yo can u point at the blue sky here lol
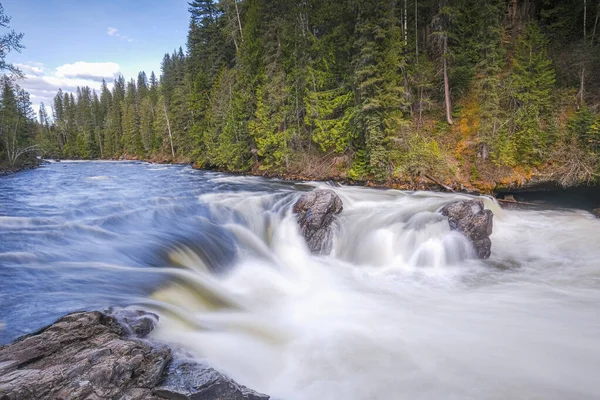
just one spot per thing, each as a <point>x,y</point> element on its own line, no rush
<point>79,42</point>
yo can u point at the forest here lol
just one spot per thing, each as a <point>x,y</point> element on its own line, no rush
<point>465,92</point>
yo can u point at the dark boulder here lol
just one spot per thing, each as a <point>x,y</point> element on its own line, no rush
<point>92,355</point>
<point>315,212</point>
<point>471,219</point>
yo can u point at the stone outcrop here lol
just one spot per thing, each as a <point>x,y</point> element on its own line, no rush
<point>194,381</point>
<point>92,355</point>
<point>315,212</point>
<point>471,219</point>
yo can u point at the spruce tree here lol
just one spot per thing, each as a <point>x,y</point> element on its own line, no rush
<point>532,83</point>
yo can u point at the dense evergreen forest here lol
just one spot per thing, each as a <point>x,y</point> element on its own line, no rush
<point>466,92</point>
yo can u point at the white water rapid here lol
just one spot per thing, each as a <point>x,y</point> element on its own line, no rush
<point>400,309</point>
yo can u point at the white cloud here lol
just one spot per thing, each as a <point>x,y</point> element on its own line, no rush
<point>90,71</point>
<point>110,31</point>
<point>43,84</point>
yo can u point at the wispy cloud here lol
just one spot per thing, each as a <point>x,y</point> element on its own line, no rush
<point>110,31</point>
<point>34,69</point>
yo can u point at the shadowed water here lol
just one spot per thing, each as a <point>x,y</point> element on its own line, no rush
<point>399,310</point>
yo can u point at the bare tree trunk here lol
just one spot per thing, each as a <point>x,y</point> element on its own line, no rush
<point>595,24</point>
<point>13,150</point>
<point>584,19</point>
<point>100,144</point>
<point>513,17</point>
<point>417,31</point>
<point>420,108</point>
<point>237,11</point>
<point>235,42</point>
<point>408,94</point>
<point>233,23</point>
<point>169,128</point>
<point>405,23</point>
<point>447,83</point>
<point>582,87</point>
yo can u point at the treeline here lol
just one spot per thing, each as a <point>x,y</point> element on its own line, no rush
<point>129,120</point>
<point>459,90</point>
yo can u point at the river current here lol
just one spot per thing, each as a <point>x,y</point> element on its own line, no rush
<point>399,310</point>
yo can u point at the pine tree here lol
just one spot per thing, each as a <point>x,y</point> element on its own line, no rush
<point>378,82</point>
<point>532,84</point>
<point>330,100</point>
<point>131,139</point>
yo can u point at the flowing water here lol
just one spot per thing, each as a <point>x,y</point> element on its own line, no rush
<point>399,310</point>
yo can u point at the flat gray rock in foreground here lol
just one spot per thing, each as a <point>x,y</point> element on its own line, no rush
<point>91,355</point>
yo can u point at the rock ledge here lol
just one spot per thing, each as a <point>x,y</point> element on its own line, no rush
<point>93,355</point>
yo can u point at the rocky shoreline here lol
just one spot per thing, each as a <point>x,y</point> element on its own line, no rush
<point>4,171</point>
<point>107,355</point>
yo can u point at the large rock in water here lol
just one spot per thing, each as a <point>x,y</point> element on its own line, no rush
<point>471,219</point>
<point>316,211</point>
<point>91,355</point>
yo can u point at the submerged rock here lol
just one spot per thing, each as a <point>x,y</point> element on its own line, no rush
<point>91,355</point>
<point>471,219</point>
<point>316,211</point>
<point>193,381</point>
<point>137,322</point>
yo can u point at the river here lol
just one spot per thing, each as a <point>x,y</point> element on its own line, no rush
<point>399,310</point>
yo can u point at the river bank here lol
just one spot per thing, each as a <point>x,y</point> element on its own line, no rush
<point>493,183</point>
<point>540,188</point>
<point>9,170</point>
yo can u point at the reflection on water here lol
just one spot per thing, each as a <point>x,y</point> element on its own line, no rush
<point>400,309</point>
